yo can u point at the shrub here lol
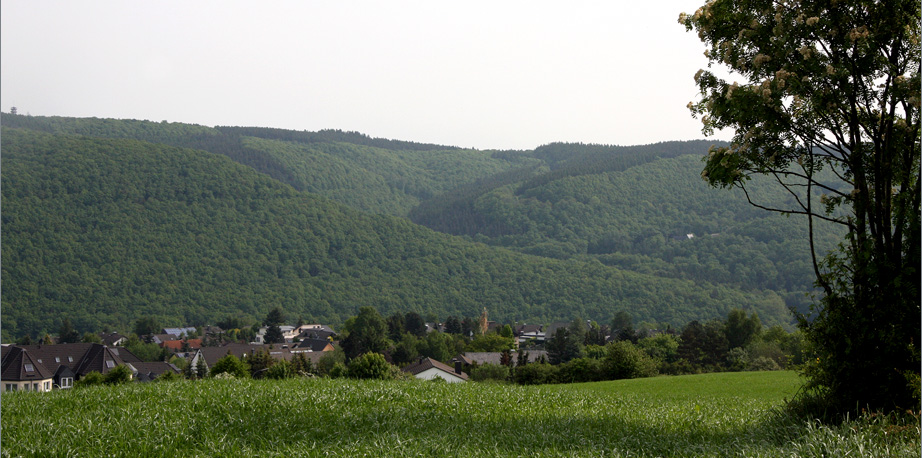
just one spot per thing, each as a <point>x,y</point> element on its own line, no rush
<point>168,376</point>
<point>370,366</point>
<point>624,360</point>
<point>329,359</point>
<point>280,370</point>
<point>737,359</point>
<point>488,371</point>
<point>118,375</point>
<point>338,370</point>
<point>536,374</point>
<point>90,379</point>
<point>768,349</point>
<point>232,365</point>
<point>580,370</point>
<point>764,364</point>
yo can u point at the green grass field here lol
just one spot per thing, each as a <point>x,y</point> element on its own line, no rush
<point>732,414</point>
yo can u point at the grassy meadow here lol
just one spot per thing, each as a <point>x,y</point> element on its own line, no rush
<point>729,414</point>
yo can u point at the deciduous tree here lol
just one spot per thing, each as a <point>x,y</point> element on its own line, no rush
<point>827,105</point>
<point>368,333</point>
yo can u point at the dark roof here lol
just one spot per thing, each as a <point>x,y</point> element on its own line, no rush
<point>494,357</point>
<point>150,370</point>
<point>213,354</point>
<point>81,358</point>
<point>552,328</point>
<point>212,330</point>
<point>527,328</point>
<point>425,364</point>
<point>102,359</point>
<point>485,357</point>
<point>530,355</point>
<point>313,344</point>
<point>111,338</point>
<point>323,334</point>
<point>19,365</point>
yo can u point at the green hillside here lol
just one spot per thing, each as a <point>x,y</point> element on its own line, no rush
<point>106,230</point>
<point>635,208</point>
<point>370,174</point>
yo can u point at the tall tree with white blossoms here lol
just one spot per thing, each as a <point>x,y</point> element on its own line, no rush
<point>831,86</point>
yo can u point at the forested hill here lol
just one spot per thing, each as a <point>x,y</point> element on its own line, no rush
<point>644,209</point>
<point>106,230</point>
<point>371,174</point>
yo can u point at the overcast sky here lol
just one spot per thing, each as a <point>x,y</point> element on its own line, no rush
<point>497,74</point>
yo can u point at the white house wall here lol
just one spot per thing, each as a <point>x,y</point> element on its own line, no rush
<point>432,373</point>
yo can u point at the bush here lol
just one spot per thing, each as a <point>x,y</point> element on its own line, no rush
<point>280,370</point>
<point>737,359</point>
<point>764,364</point>
<point>232,365</point>
<point>168,376</point>
<point>536,374</point>
<point>370,366</point>
<point>580,370</point>
<point>488,371</point>
<point>769,350</point>
<point>338,370</point>
<point>328,361</point>
<point>624,360</point>
<point>90,379</point>
<point>119,375</point>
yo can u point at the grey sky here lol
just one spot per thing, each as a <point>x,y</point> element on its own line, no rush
<point>478,74</point>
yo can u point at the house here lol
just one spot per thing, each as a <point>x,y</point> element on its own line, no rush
<point>288,332</point>
<point>314,327</point>
<point>179,332</point>
<point>552,328</point>
<point>176,346</point>
<point>161,338</point>
<point>428,369</point>
<point>314,345</point>
<point>20,371</point>
<point>67,363</point>
<point>525,332</point>
<point>212,330</point>
<point>494,357</point>
<point>316,331</point>
<point>305,331</point>
<point>113,339</point>
<point>211,355</point>
<point>148,371</point>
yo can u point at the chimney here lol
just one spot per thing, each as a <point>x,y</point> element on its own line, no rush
<point>458,367</point>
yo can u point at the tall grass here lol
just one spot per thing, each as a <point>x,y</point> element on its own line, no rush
<point>324,417</point>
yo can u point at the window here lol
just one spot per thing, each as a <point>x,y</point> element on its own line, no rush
<point>30,367</point>
<point>70,359</point>
<point>10,387</point>
<point>66,382</point>
<point>26,387</point>
<point>47,386</point>
<point>110,364</point>
<point>40,362</point>
<point>57,359</point>
<point>35,387</point>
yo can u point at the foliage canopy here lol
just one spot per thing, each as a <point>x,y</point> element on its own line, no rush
<point>831,86</point>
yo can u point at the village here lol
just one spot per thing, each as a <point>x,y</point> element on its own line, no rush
<point>46,367</point>
<point>401,346</point>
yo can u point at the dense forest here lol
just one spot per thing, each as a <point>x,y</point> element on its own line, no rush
<point>105,221</point>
